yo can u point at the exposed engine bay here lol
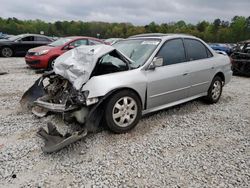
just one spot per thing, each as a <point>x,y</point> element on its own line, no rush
<point>59,96</point>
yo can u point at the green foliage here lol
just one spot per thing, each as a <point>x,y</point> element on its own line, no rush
<point>217,31</point>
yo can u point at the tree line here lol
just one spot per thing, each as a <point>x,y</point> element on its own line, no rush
<point>238,29</point>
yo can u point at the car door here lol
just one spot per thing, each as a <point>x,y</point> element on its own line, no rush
<point>24,44</point>
<point>170,82</point>
<point>75,44</point>
<point>40,41</point>
<point>200,66</point>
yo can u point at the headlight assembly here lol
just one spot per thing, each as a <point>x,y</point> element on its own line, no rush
<point>43,52</point>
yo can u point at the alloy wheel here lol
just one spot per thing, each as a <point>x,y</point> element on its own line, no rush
<point>7,52</point>
<point>124,111</point>
<point>216,90</point>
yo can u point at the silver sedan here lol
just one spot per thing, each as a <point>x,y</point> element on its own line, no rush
<point>135,76</point>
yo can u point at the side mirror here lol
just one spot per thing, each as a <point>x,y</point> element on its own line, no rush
<point>69,47</point>
<point>157,62</point>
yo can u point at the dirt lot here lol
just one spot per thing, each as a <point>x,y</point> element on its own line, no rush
<point>191,145</point>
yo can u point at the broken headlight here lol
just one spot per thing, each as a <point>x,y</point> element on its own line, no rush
<point>91,101</point>
<point>84,98</point>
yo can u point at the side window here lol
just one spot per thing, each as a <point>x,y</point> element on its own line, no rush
<point>79,43</point>
<point>196,50</point>
<point>29,38</point>
<point>42,39</point>
<point>94,42</point>
<point>172,52</point>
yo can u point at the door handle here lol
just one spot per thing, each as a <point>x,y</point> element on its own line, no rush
<point>212,67</point>
<point>185,74</point>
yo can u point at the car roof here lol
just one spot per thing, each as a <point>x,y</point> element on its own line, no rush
<point>30,34</point>
<point>245,41</point>
<point>81,37</point>
<point>161,35</point>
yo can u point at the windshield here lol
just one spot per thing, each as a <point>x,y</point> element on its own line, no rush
<point>60,42</point>
<point>13,38</point>
<point>137,50</point>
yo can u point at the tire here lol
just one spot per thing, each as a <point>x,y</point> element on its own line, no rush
<point>121,116</point>
<point>6,52</point>
<point>215,90</point>
<point>51,63</point>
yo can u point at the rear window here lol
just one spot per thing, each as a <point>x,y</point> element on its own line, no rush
<point>196,50</point>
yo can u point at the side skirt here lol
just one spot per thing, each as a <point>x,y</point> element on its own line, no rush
<point>147,111</point>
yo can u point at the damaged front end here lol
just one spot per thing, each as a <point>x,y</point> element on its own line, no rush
<point>53,93</point>
<point>60,91</point>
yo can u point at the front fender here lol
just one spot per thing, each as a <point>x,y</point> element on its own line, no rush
<point>99,86</point>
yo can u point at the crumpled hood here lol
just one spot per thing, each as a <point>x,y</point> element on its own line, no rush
<point>77,64</point>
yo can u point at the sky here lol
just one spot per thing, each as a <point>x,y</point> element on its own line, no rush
<point>137,12</point>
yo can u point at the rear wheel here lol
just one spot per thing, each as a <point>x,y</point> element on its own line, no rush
<point>123,111</point>
<point>6,52</point>
<point>215,90</point>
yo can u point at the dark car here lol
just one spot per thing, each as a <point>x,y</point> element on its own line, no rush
<point>241,59</point>
<point>44,56</point>
<point>20,44</point>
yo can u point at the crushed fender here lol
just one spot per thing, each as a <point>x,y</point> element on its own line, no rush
<point>33,93</point>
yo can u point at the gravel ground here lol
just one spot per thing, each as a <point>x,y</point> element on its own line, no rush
<point>191,145</point>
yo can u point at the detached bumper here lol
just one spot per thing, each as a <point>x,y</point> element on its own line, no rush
<point>54,107</point>
<point>55,141</point>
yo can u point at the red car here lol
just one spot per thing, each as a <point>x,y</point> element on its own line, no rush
<point>44,56</point>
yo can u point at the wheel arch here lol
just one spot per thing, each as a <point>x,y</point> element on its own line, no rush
<point>112,92</point>
<point>221,75</point>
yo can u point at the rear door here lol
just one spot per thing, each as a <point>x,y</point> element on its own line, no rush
<point>40,41</point>
<point>200,66</point>
<point>171,82</point>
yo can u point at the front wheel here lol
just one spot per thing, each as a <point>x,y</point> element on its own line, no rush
<point>215,90</point>
<point>123,111</point>
<point>51,63</point>
<point>6,52</point>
